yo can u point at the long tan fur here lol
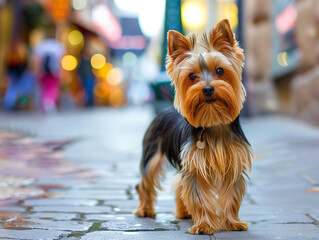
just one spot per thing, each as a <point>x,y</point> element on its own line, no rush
<point>212,181</point>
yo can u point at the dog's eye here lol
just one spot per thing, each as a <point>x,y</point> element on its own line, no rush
<point>219,71</point>
<point>192,76</point>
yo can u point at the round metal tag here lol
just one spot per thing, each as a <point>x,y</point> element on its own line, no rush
<point>200,145</point>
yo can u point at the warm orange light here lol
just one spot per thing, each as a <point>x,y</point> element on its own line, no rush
<point>114,76</point>
<point>75,37</point>
<point>101,90</point>
<point>69,62</point>
<point>282,59</point>
<point>194,14</point>
<point>228,10</point>
<point>102,72</point>
<point>117,98</point>
<point>59,9</point>
<point>98,61</point>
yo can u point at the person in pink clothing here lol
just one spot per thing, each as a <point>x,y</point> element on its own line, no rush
<point>49,53</point>
<point>49,84</point>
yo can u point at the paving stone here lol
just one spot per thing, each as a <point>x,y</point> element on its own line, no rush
<point>101,185</point>
<point>272,215</point>
<point>33,234</point>
<point>97,194</point>
<point>132,223</point>
<point>154,235</point>
<point>109,174</point>
<point>125,206</point>
<point>73,209</point>
<point>106,217</point>
<point>53,215</point>
<point>122,204</point>
<point>12,209</point>
<point>6,216</point>
<point>34,223</point>
<point>160,209</point>
<point>66,183</point>
<point>314,214</point>
<point>167,217</point>
<point>118,216</point>
<point>264,231</point>
<point>60,202</point>
<point>123,183</point>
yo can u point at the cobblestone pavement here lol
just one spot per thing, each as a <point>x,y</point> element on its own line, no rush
<point>282,200</point>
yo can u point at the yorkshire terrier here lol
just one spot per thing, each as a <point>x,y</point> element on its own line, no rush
<point>202,138</point>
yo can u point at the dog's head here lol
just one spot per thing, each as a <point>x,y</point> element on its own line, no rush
<point>206,72</point>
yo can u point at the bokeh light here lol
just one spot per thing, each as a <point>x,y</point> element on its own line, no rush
<point>114,76</point>
<point>98,61</point>
<point>117,98</point>
<point>102,72</point>
<point>228,10</point>
<point>36,36</point>
<point>282,59</point>
<point>75,37</point>
<point>194,14</point>
<point>79,4</point>
<point>129,59</point>
<point>101,90</point>
<point>69,62</point>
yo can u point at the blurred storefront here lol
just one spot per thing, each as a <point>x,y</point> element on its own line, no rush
<point>114,50</point>
<point>86,74</point>
<point>281,41</point>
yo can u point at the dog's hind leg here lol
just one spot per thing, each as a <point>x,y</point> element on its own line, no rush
<point>152,171</point>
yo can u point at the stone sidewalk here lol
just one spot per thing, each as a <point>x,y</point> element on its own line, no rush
<point>282,200</point>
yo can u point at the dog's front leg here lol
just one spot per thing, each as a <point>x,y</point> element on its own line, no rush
<point>231,207</point>
<point>181,210</point>
<point>201,203</point>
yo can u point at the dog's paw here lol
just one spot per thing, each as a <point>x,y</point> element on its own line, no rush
<point>237,226</point>
<point>202,229</point>
<point>145,213</point>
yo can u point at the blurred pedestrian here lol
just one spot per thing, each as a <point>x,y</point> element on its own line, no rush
<point>20,80</point>
<point>48,54</point>
<point>86,76</point>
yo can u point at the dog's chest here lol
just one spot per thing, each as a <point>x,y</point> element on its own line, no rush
<point>216,156</point>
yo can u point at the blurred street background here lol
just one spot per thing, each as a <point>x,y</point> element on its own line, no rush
<point>80,81</point>
<point>68,54</point>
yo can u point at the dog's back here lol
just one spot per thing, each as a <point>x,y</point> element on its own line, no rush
<point>166,135</point>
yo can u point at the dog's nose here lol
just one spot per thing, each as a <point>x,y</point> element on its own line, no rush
<point>208,91</point>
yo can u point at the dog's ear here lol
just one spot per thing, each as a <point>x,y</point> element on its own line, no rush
<point>222,33</point>
<point>222,39</point>
<point>177,44</point>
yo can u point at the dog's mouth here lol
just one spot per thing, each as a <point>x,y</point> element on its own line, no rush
<point>202,104</point>
<point>210,100</point>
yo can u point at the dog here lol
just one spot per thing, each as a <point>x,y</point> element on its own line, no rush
<point>201,136</point>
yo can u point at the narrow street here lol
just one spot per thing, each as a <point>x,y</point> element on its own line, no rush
<point>94,197</point>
